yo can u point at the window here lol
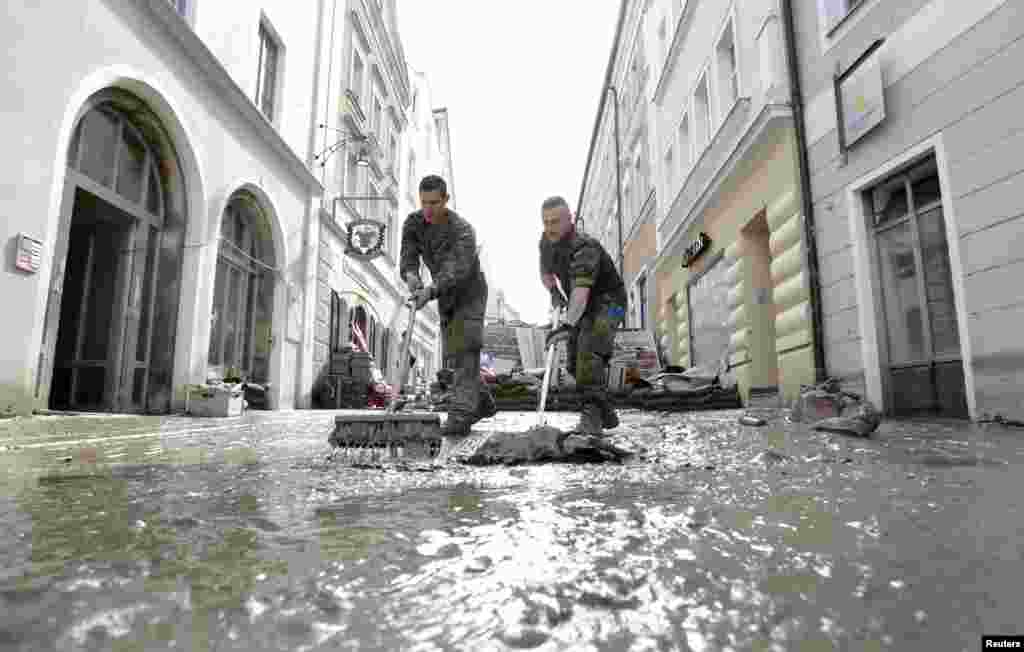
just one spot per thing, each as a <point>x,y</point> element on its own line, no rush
<point>702,115</point>
<point>394,150</point>
<point>411,180</point>
<point>663,38</point>
<point>833,12</point>
<point>709,314</point>
<point>728,74</point>
<point>376,124</point>
<point>356,82</point>
<point>240,321</point>
<point>337,333</point>
<point>641,290</point>
<point>684,144</point>
<point>668,168</point>
<point>266,78</point>
<point>352,176</point>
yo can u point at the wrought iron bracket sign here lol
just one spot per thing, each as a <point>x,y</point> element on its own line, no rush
<point>695,249</point>
<point>365,239</point>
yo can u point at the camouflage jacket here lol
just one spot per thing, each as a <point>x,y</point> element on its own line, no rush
<point>579,260</point>
<point>449,252</point>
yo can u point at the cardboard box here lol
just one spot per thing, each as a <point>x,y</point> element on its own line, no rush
<point>204,403</point>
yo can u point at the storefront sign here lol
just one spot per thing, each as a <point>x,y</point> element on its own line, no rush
<point>29,255</point>
<point>861,96</point>
<point>365,239</point>
<point>695,249</point>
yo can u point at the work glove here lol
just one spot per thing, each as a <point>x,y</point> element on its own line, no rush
<point>563,333</point>
<point>413,282</point>
<point>422,296</point>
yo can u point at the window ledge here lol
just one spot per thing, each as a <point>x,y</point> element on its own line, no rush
<point>193,47</point>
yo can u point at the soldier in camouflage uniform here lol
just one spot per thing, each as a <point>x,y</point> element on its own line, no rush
<point>447,245</point>
<point>596,308</point>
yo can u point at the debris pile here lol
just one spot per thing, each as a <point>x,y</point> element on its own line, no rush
<point>830,409</point>
<point>536,445</point>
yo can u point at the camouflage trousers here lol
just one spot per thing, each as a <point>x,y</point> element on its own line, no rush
<point>590,351</point>
<point>463,337</point>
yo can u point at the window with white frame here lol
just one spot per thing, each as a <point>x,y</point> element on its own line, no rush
<point>641,301</point>
<point>352,176</point>
<point>411,172</point>
<point>372,208</point>
<point>376,116</point>
<point>702,116</point>
<point>728,73</point>
<point>667,168</point>
<point>685,145</point>
<point>267,71</point>
<point>833,12</point>
<point>358,73</point>
<point>663,43</point>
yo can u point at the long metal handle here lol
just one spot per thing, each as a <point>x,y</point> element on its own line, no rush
<point>404,358</point>
<point>544,388</point>
<point>547,369</point>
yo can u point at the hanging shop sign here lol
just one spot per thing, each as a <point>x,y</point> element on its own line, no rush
<point>860,96</point>
<point>29,255</point>
<point>365,239</point>
<point>694,250</point>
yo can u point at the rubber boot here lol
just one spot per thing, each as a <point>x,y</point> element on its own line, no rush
<point>609,418</point>
<point>590,421</point>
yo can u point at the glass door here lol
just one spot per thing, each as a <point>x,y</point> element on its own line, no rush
<point>924,365</point>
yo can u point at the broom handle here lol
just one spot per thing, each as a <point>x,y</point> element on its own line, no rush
<point>547,370</point>
<point>404,357</point>
<point>544,388</point>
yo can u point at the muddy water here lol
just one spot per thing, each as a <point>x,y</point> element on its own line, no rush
<point>722,538</point>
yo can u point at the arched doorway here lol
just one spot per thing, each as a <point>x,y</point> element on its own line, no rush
<point>110,324</point>
<point>243,297</point>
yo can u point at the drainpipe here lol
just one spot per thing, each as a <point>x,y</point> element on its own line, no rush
<point>618,175</point>
<point>600,110</point>
<point>311,236</point>
<point>807,200</point>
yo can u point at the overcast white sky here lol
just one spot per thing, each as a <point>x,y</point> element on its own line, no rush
<point>521,81</point>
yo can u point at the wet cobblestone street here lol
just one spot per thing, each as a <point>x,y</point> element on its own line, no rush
<point>125,533</point>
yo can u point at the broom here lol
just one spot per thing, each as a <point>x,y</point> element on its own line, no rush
<point>374,437</point>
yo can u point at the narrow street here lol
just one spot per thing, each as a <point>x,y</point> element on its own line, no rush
<point>125,533</point>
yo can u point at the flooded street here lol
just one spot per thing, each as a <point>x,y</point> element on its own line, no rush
<point>241,535</point>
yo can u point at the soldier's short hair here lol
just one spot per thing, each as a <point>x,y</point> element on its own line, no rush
<point>432,182</point>
<point>554,202</point>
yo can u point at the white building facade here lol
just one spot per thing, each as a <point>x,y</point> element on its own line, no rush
<point>918,193</point>
<point>733,286</point>
<point>620,158</point>
<point>161,211</point>
<point>370,116</point>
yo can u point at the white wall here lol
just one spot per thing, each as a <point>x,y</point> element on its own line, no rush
<point>123,44</point>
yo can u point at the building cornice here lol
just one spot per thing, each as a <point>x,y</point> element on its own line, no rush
<point>196,50</point>
<point>769,116</point>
